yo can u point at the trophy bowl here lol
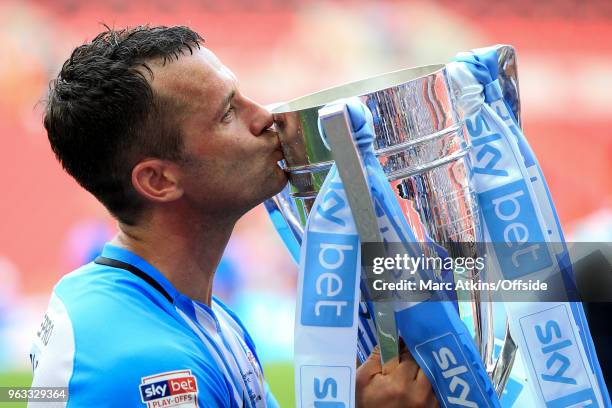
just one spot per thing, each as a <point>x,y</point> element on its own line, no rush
<point>419,142</point>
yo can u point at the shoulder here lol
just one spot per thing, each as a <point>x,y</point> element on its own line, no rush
<point>115,343</point>
<point>109,310</point>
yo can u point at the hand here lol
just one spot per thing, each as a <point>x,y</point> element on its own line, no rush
<point>399,383</point>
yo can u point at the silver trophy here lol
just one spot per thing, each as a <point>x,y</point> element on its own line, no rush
<point>421,145</point>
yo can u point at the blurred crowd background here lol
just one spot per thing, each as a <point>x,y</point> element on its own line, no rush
<point>281,49</point>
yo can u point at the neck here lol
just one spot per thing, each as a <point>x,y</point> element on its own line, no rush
<point>185,250</point>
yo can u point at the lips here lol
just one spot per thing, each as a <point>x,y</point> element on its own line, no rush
<point>278,153</point>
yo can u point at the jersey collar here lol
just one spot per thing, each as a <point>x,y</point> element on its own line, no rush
<point>127,256</point>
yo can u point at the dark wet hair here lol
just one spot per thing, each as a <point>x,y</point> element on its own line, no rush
<point>102,115</point>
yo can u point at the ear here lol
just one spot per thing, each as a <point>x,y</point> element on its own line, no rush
<point>157,180</point>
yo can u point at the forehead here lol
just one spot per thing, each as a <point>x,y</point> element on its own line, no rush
<point>193,80</point>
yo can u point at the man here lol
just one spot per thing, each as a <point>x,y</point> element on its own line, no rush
<point>155,127</point>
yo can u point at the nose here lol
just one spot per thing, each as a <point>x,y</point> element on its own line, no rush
<point>262,118</point>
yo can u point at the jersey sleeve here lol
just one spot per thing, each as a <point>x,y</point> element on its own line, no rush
<point>52,352</point>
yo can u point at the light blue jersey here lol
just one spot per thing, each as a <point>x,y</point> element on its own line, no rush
<point>118,334</point>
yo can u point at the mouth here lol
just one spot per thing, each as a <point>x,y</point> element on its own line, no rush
<point>278,152</point>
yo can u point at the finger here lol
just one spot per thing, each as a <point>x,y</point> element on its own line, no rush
<point>390,365</point>
<point>405,357</point>
<point>421,379</point>
<point>407,371</point>
<point>422,382</point>
<point>432,401</point>
<point>424,391</point>
<point>407,368</point>
<point>372,365</point>
<point>404,353</point>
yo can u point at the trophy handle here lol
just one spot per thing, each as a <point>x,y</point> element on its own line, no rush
<point>336,123</point>
<point>508,81</point>
<point>504,363</point>
<point>501,368</point>
<point>508,78</point>
<point>282,204</point>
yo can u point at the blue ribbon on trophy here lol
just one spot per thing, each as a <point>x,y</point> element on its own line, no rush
<point>553,337</point>
<point>327,302</point>
<point>399,160</point>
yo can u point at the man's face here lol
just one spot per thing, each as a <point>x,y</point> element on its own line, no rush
<point>230,153</point>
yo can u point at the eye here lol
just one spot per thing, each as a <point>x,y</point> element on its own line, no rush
<point>228,114</point>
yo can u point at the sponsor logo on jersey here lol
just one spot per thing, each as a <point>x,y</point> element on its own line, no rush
<point>169,389</point>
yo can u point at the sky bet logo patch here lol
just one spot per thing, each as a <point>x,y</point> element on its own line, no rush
<point>171,389</point>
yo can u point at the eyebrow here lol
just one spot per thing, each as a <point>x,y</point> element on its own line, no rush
<point>226,102</point>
